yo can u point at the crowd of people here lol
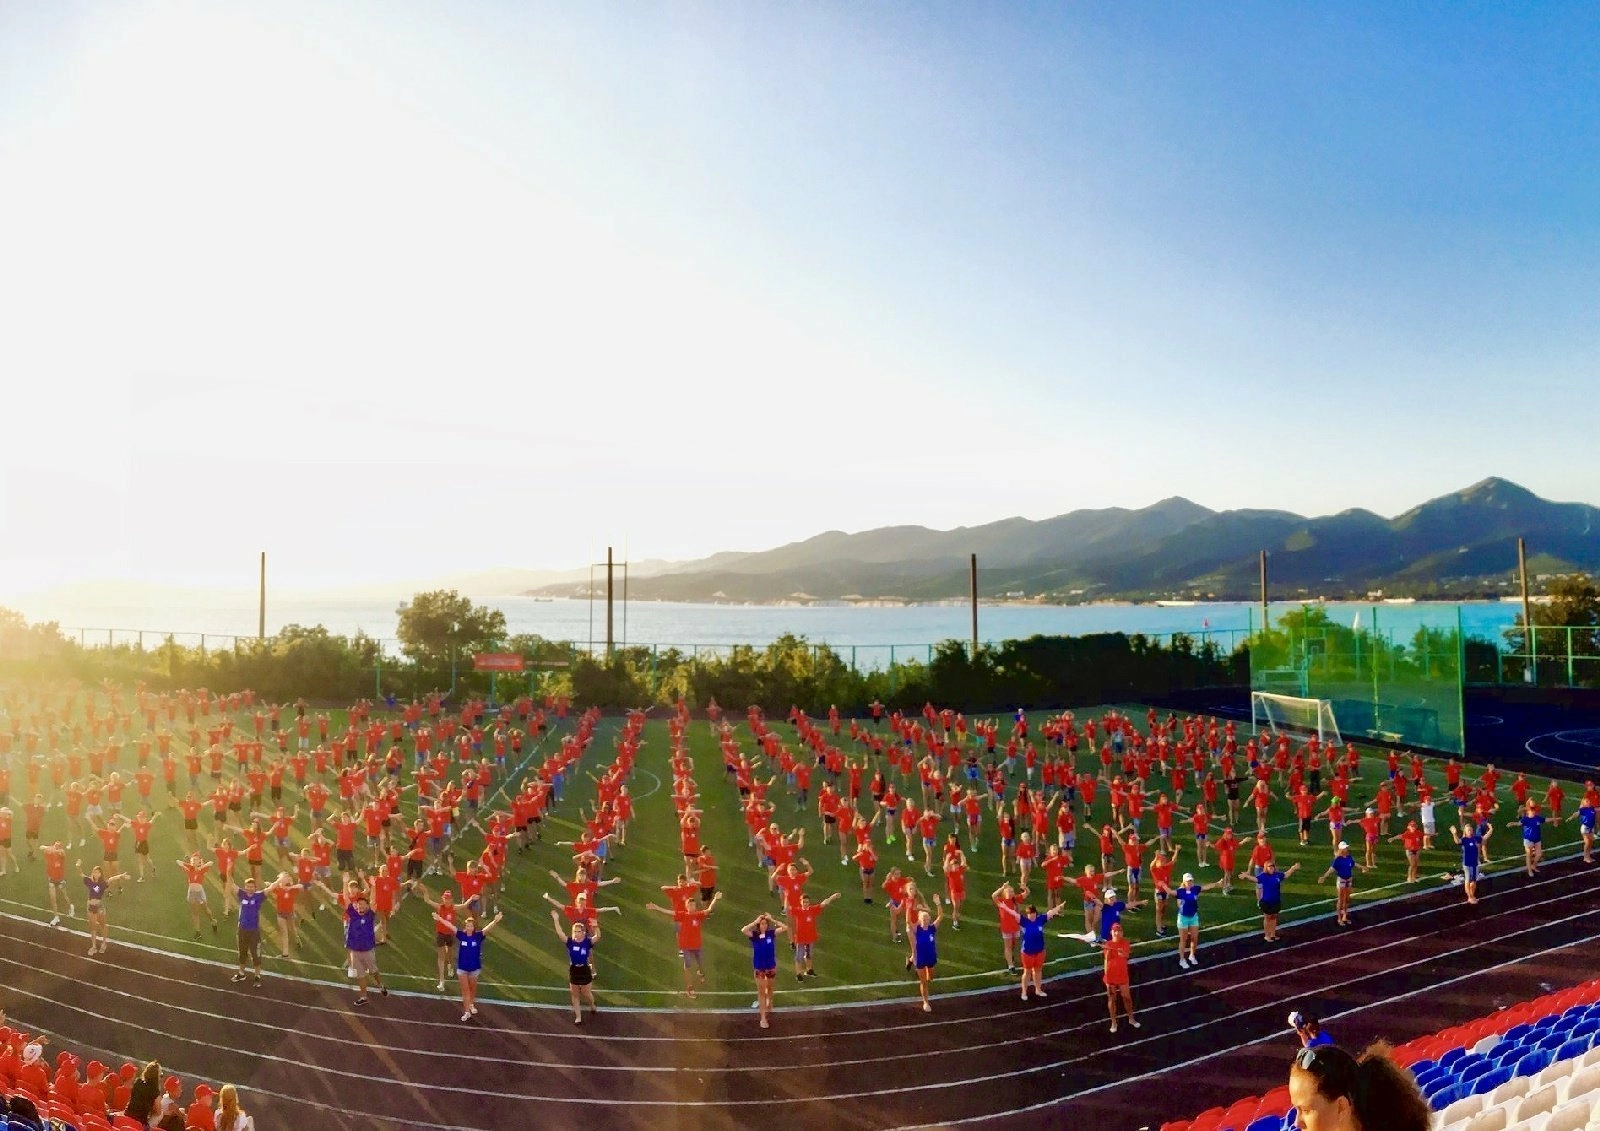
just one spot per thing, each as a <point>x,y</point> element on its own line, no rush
<point>283,811</point>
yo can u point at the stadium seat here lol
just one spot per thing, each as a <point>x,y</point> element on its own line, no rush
<point>1557,1069</point>
<point>1275,1102</point>
<point>1542,1100</point>
<point>1208,1120</point>
<point>1582,1082</point>
<point>1572,1049</point>
<point>1533,1063</point>
<point>1485,1043</point>
<point>1491,1079</point>
<point>1572,1116</point>
<point>1492,1120</point>
<point>1265,1123</point>
<point>1469,1072</point>
<point>1443,1093</point>
<point>1176,1125</point>
<point>1461,1109</point>
<point>1239,1114</point>
<point>124,1123</point>
<point>1512,1089</point>
<point>1452,1056</point>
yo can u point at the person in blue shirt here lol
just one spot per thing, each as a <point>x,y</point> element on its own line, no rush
<point>1269,895</point>
<point>763,932</point>
<point>250,901</point>
<point>1032,926</point>
<point>1471,843</point>
<point>1111,910</point>
<point>469,956</point>
<point>927,950</point>
<point>1309,1029</point>
<point>1188,896</point>
<point>1586,821</point>
<point>1532,836</point>
<point>361,944</point>
<point>1344,867</point>
<point>580,968</point>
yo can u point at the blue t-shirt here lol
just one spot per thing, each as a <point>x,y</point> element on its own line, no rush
<point>1188,901</point>
<point>469,952</point>
<point>1469,849</point>
<point>1532,827</point>
<point>764,949</point>
<point>927,951</point>
<point>1110,916</point>
<point>1586,816</point>
<point>360,930</point>
<point>1322,1038</point>
<point>1033,934</point>
<point>1344,867</point>
<point>250,909</point>
<point>1269,886</point>
<point>577,952</point>
<point>97,888</point>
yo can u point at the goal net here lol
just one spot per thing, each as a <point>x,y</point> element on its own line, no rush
<point>1294,713</point>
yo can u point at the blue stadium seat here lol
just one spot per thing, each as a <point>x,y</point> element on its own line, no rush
<point>1516,1033</point>
<point>1577,1046</point>
<point>1586,1028</point>
<point>1509,1052</point>
<point>1535,1061</point>
<point>1454,1055</point>
<point>1475,1068</point>
<point>1444,1096</point>
<point>1488,1082</point>
<point>1437,1085</point>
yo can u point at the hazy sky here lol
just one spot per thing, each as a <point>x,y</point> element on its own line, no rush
<point>394,290</point>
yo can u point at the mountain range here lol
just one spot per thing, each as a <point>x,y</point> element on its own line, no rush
<point>1458,545</point>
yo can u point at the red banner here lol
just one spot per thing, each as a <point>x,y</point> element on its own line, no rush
<point>498,662</point>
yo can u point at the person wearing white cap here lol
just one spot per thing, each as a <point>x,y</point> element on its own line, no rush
<point>1188,896</point>
<point>1344,867</point>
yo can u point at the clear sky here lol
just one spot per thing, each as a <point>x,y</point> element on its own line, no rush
<point>397,290</point>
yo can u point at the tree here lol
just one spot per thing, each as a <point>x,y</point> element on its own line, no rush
<point>440,624</point>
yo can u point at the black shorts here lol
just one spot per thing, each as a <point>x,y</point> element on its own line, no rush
<point>249,946</point>
<point>443,941</point>
<point>579,975</point>
<point>347,859</point>
<point>142,848</point>
<point>413,869</point>
<point>191,825</point>
<point>706,894</point>
<point>1270,906</point>
<point>1305,825</point>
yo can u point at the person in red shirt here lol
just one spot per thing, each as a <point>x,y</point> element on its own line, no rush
<point>1008,903</point>
<point>1370,827</point>
<point>955,880</point>
<point>1411,840</point>
<point>895,892</point>
<point>803,917</point>
<point>285,893</point>
<point>194,870</point>
<point>55,874</point>
<point>1116,951</point>
<point>690,920</point>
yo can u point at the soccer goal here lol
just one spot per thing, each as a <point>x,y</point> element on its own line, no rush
<point>1294,713</point>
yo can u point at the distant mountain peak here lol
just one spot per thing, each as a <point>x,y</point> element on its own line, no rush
<point>1495,490</point>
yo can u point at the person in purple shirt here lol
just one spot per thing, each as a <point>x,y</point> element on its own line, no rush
<point>250,901</point>
<point>361,943</point>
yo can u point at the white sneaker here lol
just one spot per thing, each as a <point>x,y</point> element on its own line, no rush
<point>440,986</point>
<point>1195,962</point>
<point>1183,963</point>
<point>466,1016</point>
<point>55,921</point>
<point>72,910</point>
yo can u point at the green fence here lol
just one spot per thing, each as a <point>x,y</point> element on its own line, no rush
<point>1403,686</point>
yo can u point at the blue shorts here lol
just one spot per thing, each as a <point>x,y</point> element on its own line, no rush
<point>1185,922</point>
<point>1133,875</point>
<point>1471,871</point>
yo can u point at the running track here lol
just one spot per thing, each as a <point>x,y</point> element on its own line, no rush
<point>305,1054</point>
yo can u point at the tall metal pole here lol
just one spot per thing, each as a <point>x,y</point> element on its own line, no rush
<point>1263,591</point>
<point>1527,612</point>
<point>611,590</point>
<point>261,620</point>
<point>973,579</point>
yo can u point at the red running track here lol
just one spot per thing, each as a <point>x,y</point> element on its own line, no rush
<point>305,1054</point>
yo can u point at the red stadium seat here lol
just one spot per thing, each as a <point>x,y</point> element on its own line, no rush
<point>1239,1115</point>
<point>1207,1120</point>
<point>1176,1125</point>
<point>1275,1102</point>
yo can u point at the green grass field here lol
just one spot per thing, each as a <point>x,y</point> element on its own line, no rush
<point>636,958</point>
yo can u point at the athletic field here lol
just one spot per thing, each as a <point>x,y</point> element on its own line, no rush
<point>636,959</point>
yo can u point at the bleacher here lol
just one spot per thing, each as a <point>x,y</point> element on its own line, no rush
<point>1533,1067</point>
<point>86,1097</point>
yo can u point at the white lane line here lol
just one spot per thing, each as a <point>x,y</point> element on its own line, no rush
<point>963,1049</point>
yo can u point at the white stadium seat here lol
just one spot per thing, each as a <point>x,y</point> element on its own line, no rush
<point>1570,1117</point>
<point>1491,1119</point>
<point>1459,1111</point>
<point>1512,1089</point>
<point>1581,1083</point>
<point>1536,1102</point>
<point>1558,1071</point>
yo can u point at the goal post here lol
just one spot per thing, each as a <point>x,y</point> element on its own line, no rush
<point>1294,713</point>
